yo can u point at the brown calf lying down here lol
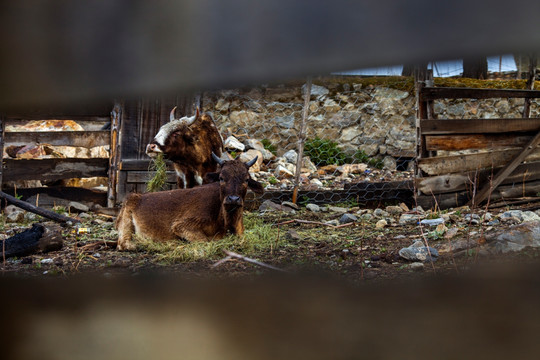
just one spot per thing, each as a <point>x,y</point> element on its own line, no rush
<point>202,213</point>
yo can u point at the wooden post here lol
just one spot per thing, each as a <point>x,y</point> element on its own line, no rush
<point>420,77</point>
<point>116,116</point>
<point>302,139</point>
<point>530,84</point>
<point>2,127</point>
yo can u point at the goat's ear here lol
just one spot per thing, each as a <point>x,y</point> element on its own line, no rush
<point>255,186</point>
<point>211,177</point>
<point>197,112</point>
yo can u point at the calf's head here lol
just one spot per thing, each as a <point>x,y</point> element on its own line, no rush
<point>234,180</point>
<point>175,138</point>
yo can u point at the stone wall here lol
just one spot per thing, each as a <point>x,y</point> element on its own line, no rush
<point>378,119</point>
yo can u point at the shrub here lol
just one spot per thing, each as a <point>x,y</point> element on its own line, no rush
<point>361,157</point>
<point>268,146</point>
<point>324,152</point>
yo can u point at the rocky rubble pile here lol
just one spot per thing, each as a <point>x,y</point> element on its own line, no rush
<point>278,172</point>
<point>456,232</point>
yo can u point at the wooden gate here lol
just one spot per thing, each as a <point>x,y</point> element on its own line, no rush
<point>505,152</point>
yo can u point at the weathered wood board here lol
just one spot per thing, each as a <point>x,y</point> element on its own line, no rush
<point>434,93</point>
<point>86,139</point>
<point>471,162</point>
<point>478,126</point>
<point>447,183</point>
<point>54,169</point>
<point>476,141</point>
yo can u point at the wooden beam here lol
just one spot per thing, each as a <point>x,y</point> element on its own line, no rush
<point>139,164</point>
<point>86,139</point>
<point>435,93</point>
<point>505,171</point>
<point>114,153</point>
<point>145,176</point>
<point>458,182</point>
<point>54,169</point>
<point>530,84</point>
<point>478,126</point>
<point>475,141</point>
<point>36,210</point>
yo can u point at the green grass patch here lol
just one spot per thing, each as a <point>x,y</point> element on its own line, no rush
<point>258,238</point>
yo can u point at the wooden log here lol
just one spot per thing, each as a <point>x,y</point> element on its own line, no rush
<point>86,139</point>
<point>435,93</point>
<point>54,169</point>
<point>471,162</point>
<point>450,200</point>
<point>478,126</point>
<point>458,182</point>
<point>36,210</point>
<point>477,141</point>
<point>38,239</point>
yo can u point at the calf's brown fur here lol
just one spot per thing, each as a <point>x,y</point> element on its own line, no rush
<point>201,213</point>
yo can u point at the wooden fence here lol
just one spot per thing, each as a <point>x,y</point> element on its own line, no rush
<point>51,169</point>
<point>505,152</point>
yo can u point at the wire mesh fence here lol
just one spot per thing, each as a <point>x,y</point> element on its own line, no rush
<point>355,134</point>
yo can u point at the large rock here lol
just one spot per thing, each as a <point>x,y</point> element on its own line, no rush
<point>232,143</point>
<point>250,155</point>
<point>317,92</point>
<point>515,238</point>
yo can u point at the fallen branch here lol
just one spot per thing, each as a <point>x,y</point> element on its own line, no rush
<point>313,223</point>
<point>36,210</point>
<point>231,255</point>
<point>98,244</point>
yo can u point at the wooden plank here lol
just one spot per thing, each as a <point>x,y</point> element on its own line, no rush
<point>54,169</point>
<point>87,139</point>
<point>476,141</point>
<point>458,182</point>
<point>505,171</point>
<point>434,93</point>
<point>139,164</point>
<point>63,192</point>
<point>478,126</point>
<point>471,162</point>
<point>145,176</point>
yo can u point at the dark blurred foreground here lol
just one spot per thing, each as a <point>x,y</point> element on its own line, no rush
<point>493,314</point>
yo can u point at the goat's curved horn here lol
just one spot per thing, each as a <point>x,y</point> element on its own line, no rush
<point>171,116</point>
<point>217,159</point>
<point>252,161</point>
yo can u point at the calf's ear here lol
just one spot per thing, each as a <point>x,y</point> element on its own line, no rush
<point>211,177</point>
<point>255,186</point>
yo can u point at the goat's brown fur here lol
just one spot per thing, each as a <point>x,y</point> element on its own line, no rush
<point>189,146</point>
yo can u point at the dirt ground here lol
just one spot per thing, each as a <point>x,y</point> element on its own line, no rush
<point>303,244</point>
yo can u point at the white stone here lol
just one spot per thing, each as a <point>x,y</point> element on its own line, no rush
<point>232,143</point>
